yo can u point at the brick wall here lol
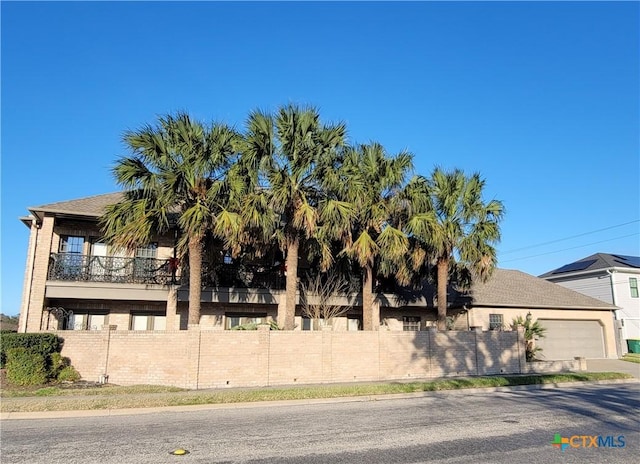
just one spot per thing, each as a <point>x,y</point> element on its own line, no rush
<point>206,358</point>
<point>32,311</point>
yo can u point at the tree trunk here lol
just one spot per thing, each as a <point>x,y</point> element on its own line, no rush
<point>195,279</point>
<point>367,300</point>
<point>443,280</point>
<point>287,320</point>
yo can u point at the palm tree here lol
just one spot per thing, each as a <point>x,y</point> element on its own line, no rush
<point>532,331</point>
<point>285,153</point>
<point>178,176</point>
<point>458,229</point>
<point>371,182</point>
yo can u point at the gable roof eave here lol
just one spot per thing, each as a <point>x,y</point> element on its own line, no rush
<point>534,306</point>
<point>85,208</point>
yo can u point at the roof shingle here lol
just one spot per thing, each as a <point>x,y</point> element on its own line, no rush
<point>515,288</point>
<point>89,206</point>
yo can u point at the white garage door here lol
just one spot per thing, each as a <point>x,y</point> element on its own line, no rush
<point>566,339</point>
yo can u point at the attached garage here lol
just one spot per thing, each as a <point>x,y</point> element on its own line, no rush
<point>566,339</point>
<point>577,325</point>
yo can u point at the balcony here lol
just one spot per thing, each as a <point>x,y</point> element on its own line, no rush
<point>108,269</point>
<point>242,276</point>
<point>120,270</point>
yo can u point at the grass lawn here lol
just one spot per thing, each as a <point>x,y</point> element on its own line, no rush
<point>56,398</point>
<point>632,357</point>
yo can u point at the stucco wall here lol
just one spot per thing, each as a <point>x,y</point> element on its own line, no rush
<point>480,317</point>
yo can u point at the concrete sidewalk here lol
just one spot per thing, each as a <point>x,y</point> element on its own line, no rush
<point>613,365</point>
<point>59,414</point>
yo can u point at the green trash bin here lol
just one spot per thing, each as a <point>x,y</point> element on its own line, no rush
<point>634,345</point>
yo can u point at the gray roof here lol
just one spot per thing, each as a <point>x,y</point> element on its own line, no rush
<point>506,289</point>
<point>598,261</point>
<point>511,288</point>
<point>89,206</point>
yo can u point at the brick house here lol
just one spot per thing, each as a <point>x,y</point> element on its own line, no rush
<point>74,281</point>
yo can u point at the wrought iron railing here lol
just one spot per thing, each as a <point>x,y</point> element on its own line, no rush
<point>76,267</point>
<point>243,276</point>
<point>112,269</point>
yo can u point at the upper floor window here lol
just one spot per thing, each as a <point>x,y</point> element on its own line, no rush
<point>149,251</point>
<point>70,263</point>
<point>71,244</point>
<point>633,287</point>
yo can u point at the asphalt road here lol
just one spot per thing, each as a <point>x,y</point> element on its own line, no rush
<point>452,427</point>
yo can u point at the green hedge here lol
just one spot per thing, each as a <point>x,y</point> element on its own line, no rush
<point>68,374</point>
<point>26,367</point>
<point>45,344</point>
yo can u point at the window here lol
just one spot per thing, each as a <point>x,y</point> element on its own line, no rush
<point>313,324</point>
<point>146,321</point>
<point>233,320</point>
<point>354,323</point>
<point>107,264</point>
<point>633,287</point>
<point>411,323</point>
<point>145,263</point>
<point>71,244</point>
<point>495,321</point>
<point>149,251</point>
<point>70,261</point>
<point>87,321</point>
<point>98,259</point>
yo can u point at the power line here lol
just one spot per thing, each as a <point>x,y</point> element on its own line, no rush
<point>571,248</point>
<point>569,238</point>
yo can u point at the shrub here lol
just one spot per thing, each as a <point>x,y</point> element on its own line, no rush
<point>68,374</point>
<point>273,325</point>
<point>25,367</point>
<point>247,326</point>
<point>57,363</point>
<point>532,331</point>
<point>45,344</point>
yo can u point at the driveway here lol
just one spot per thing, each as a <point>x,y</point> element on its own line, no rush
<point>613,365</point>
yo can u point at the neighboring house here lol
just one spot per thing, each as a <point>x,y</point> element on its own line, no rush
<point>611,278</point>
<point>74,281</point>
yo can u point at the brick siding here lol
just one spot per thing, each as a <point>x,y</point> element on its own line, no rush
<point>198,358</point>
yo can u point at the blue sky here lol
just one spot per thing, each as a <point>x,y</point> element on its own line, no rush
<point>541,97</point>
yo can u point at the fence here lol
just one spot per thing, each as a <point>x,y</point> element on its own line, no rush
<point>198,359</point>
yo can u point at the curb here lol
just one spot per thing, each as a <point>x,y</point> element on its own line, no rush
<point>62,414</point>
